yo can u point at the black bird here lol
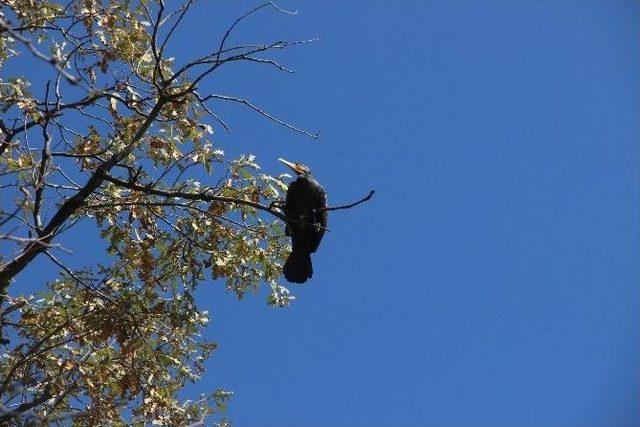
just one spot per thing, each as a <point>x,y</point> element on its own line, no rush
<point>306,216</point>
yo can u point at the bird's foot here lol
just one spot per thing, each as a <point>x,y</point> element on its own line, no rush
<point>279,204</point>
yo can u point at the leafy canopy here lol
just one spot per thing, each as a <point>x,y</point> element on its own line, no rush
<point>103,127</point>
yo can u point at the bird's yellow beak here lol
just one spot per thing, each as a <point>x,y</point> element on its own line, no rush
<point>294,166</point>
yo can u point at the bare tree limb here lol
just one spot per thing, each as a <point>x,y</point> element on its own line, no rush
<point>351,205</point>
<point>262,112</point>
<point>183,10</point>
<point>44,163</point>
<point>12,214</point>
<point>241,18</point>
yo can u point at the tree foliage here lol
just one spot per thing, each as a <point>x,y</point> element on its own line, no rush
<point>114,134</point>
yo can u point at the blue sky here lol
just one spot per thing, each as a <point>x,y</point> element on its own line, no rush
<point>493,280</point>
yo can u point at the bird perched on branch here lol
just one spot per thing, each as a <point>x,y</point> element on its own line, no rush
<point>305,210</point>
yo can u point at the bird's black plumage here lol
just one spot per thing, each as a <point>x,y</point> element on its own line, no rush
<point>306,217</point>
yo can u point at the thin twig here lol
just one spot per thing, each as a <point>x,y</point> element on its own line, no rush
<point>262,112</point>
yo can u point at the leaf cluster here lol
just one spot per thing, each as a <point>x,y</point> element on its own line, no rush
<point>118,135</point>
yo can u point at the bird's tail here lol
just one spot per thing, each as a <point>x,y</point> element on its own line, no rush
<point>297,268</point>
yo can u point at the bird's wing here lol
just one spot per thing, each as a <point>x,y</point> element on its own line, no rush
<point>321,214</point>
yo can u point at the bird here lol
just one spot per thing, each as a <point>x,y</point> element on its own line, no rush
<point>306,217</point>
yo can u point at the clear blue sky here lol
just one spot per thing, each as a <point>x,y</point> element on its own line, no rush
<point>493,281</point>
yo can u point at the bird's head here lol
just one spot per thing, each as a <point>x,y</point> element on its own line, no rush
<point>298,168</point>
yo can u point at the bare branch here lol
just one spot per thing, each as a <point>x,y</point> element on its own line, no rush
<point>211,113</point>
<point>154,43</point>
<point>262,112</point>
<point>183,10</point>
<point>351,205</point>
<point>241,18</point>
<point>44,163</point>
<point>269,61</point>
<point>12,214</point>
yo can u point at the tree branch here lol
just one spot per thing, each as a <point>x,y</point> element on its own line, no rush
<point>351,205</point>
<point>192,196</point>
<point>50,59</point>
<point>71,205</point>
<point>237,21</point>
<point>262,112</point>
<point>24,407</point>
<point>42,170</point>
